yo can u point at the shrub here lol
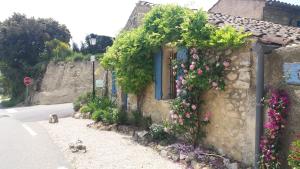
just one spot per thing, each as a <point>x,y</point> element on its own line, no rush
<point>294,154</point>
<point>123,118</point>
<point>85,109</point>
<point>140,121</point>
<point>157,132</point>
<point>110,116</point>
<point>76,106</point>
<point>96,116</point>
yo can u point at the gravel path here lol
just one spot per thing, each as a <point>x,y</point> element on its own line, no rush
<point>105,149</point>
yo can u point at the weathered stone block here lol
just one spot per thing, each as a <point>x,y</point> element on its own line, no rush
<point>232,76</point>
<point>241,85</point>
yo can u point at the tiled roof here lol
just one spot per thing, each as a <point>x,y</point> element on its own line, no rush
<point>268,32</point>
<point>279,4</point>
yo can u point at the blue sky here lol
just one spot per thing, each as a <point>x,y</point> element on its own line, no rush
<point>104,17</point>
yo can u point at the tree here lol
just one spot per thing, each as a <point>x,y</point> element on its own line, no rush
<point>102,42</point>
<point>75,47</point>
<point>22,40</point>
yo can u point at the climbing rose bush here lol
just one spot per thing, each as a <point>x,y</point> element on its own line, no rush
<point>195,77</point>
<point>269,144</point>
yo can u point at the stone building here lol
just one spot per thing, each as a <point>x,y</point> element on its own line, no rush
<point>253,69</point>
<point>267,10</point>
<point>232,128</point>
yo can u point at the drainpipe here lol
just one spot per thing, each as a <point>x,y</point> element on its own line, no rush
<point>258,49</point>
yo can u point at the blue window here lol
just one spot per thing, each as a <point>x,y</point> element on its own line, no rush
<point>113,84</point>
<point>158,58</point>
<point>182,56</point>
<point>298,23</point>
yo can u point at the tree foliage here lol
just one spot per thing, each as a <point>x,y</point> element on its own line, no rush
<point>22,40</point>
<point>102,42</point>
<point>131,54</point>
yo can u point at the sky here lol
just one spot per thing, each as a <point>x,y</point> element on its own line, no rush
<point>82,17</point>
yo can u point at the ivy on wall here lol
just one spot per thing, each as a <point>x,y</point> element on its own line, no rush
<point>131,57</point>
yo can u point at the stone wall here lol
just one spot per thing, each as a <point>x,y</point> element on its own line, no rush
<point>242,8</point>
<point>274,78</point>
<point>232,127</point>
<point>64,82</point>
<point>284,16</point>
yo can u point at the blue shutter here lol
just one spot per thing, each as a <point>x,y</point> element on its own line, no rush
<point>182,56</point>
<point>113,83</point>
<point>158,59</point>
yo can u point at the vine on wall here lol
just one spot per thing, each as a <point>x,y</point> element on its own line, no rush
<point>131,57</point>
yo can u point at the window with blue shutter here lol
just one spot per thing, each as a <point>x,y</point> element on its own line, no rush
<point>182,57</point>
<point>158,58</point>
<point>113,83</point>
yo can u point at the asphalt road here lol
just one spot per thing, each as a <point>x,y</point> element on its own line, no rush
<point>24,144</point>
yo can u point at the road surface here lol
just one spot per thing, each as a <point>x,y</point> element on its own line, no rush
<point>24,144</point>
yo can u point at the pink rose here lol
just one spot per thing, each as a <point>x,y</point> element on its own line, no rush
<point>226,64</point>
<point>207,68</point>
<point>180,120</point>
<point>195,56</point>
<point>207,116</point>
<point>200,72</point>
<point>194,107</point>
<point>192,67</point>
<point>187,115</point>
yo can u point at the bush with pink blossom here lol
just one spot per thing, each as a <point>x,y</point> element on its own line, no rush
<point>270,143</point>
<point>199,75</point>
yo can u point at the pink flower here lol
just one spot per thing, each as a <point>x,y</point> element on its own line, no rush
<point>174,116</point>
<point>207,68</point>
<point>185,71</point>
<point>192,67</point>
<point>193,51</point>
<point>183,82</point>
<point>193,63</point>
<point>194,107</point>
<point>171,112</point>
<point>226,64</point>
<point>207,116</point>
<point>187,115</point>
<point>180,120</point>
<point>182,65</point>
<point>180,77</point>
<point>200,72</point>
<point>178,91</point>
<point>195,56</point>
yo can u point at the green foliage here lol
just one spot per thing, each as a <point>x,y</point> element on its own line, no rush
<point>97,115</point>
<point>83,99</point>
<point>22,40</point>
<point>131,54</point>
<point>110,116</point>
<point>140,121</point>
<point>228,37</point>
<point>294,154</point>
<point>76,106</point>
<point>86,109</point>
<point>163,24</point>
<point>157,132</point>
<point>102,42</point>
<point>131,60</point>
<point>57,50</point>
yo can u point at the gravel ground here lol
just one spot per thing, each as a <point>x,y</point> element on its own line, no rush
<point>105,149</point>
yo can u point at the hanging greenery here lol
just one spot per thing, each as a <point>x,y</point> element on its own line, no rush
<point>131,57</point>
